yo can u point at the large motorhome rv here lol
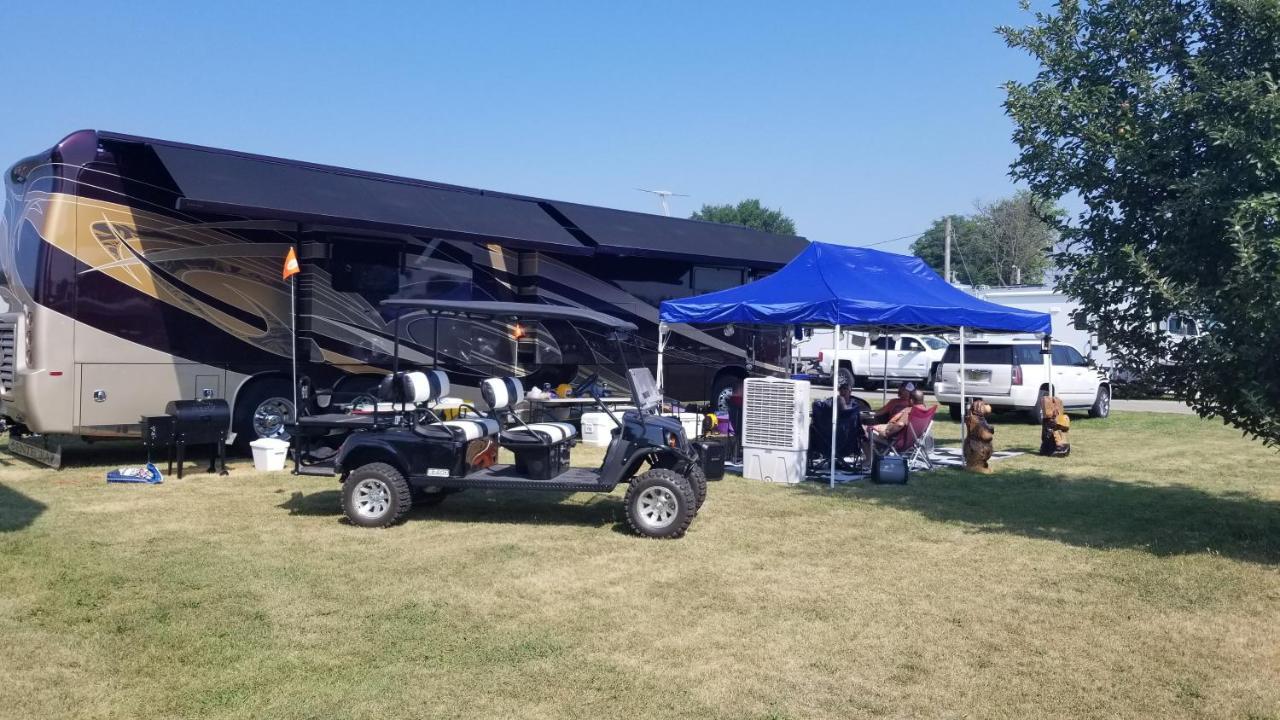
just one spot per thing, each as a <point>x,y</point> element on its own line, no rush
<point>139,271</point>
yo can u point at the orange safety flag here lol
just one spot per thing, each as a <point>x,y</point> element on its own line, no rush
<point>291,264</point>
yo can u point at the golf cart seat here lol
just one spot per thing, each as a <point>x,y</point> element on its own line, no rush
<point>502,394</point>
<point>411,389</point>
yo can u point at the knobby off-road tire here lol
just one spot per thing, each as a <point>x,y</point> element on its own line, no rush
<point>375,495</point>
<point>698,481</point>
<point>660,504</point>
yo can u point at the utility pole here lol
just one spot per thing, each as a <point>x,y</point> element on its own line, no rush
<point>946,254</point>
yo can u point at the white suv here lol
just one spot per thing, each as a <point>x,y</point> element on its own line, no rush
<point>1010,374</point>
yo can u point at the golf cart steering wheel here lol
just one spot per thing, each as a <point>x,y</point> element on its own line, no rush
<point>588,384</point>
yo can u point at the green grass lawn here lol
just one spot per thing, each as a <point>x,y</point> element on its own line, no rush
<point>1139,577</point>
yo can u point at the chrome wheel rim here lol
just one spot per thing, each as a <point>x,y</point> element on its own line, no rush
<point>371,499</point>
<point>657,507</point>
<point>1104,404</point>
<point>270,417</point>
<point>722,401</point>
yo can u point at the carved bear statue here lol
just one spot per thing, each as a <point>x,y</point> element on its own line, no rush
<point>1054,428</point>
<point>977,437</point>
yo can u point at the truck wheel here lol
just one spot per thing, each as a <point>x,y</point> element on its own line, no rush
<point>861,381</point>
<point>375,495</point>
<point>1102,404</point>
<point>660,504</point>
<point>932,380</point>
<point>953,410</point>
<point>846,376</point>
<point>698,482</point>
<point>1037,413</point>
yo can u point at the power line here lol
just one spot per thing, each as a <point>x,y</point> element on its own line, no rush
<point>901,237</point>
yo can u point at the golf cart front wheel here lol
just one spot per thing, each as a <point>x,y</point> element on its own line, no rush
<point>375,495</point>
<point>697,479</point>
<point>660,504</point>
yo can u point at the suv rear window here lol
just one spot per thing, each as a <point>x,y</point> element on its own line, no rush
<point>980,354</point>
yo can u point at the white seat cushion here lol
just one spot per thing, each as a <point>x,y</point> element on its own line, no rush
<point>501,393</point>
<point>471,429</point>
<point>552,432</point>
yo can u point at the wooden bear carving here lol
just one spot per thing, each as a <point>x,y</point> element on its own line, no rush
<point>1054,428</point>
<point>977,437</point>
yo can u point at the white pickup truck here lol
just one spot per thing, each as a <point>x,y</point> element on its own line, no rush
<point>864,361</point>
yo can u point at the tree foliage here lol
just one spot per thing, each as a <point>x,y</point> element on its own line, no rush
<point>749,213</point>
<point>1163,116</point>
<point>1014,232</point>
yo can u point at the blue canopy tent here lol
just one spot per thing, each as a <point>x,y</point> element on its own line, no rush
<point>841,286</point>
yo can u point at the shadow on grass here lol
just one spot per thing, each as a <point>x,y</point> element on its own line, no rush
<point>17,511</point>
<point>1094,512</point>
<point>485,506</point>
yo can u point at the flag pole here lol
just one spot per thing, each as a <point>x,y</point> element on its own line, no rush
<point>293,338</point>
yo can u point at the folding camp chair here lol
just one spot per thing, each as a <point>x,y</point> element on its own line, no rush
<point>913,442</point>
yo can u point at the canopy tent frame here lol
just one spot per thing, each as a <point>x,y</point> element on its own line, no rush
<point>664,333</point>
<point>877,290</point>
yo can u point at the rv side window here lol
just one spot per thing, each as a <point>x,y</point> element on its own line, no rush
<point>373,269</point>
<point>711,279</point>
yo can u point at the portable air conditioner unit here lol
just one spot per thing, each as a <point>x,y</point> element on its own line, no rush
<point>775,429</point>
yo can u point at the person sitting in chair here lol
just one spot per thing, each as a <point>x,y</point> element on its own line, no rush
<point>896,423</point>
<point>898,404</point>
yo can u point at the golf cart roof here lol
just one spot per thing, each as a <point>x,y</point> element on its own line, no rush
<point>512,310</point>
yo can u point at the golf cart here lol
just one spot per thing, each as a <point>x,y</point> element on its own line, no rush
<point>390,460</point>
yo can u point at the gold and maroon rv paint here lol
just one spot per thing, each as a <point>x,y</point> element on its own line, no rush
<point>138,271</point>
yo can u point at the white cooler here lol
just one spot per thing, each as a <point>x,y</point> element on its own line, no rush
<point>779,466</point>
<point>597,428</point>
<point>269,454</point>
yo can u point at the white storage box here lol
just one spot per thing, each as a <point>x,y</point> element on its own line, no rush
<point>597,428</point>
<point>780,466</point>
<point>692,423</point>
<point>269,454</point>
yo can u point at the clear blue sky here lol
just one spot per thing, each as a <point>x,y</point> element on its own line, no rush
<point>862,120</point>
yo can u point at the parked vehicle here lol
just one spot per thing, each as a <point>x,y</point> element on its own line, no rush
<point>393,456</point>
<point>139,271</point>
<point>865,360</point>
<point>1009,373</point>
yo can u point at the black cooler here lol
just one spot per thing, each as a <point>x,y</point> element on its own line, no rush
<point>710,457</point>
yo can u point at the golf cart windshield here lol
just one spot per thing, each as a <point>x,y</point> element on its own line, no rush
<point>643,389</point>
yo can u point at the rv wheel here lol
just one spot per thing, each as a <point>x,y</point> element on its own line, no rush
<point>262,410</point>
<point>660,504</point>
<point>375,495</point>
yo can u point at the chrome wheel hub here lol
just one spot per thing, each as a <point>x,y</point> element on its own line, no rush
<point>372,499</point>
<point>657,507</point>
<point>271,416</point>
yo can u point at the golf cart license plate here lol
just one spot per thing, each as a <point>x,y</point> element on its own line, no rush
<point>437,472</point>
<point>977,374</point>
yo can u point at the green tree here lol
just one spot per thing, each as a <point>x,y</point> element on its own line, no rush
<point>1015,232</point>
<point>1163,116</point>
<point>749,213</point>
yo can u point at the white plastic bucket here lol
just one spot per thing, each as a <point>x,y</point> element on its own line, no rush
<point>269,454</point>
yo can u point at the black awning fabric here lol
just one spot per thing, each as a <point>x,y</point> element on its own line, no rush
<point>621,232</point>
<point>233,183</point>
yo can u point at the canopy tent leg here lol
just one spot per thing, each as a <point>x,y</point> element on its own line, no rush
<point>835,405</point>
<point>884,378</point>
<point>963,405</point>
<point>1048,363</point>
<point>663,332</point>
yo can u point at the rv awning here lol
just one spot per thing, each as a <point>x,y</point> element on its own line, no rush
<point>221,181</point>
<point>852,286</point>
<point>619,232</point>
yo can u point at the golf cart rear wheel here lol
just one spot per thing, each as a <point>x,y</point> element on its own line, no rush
<point>375,495</point>
<point>660,504</point>
<point>698,482</point>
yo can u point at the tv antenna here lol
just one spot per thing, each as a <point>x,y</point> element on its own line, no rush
<point>662,198</point>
